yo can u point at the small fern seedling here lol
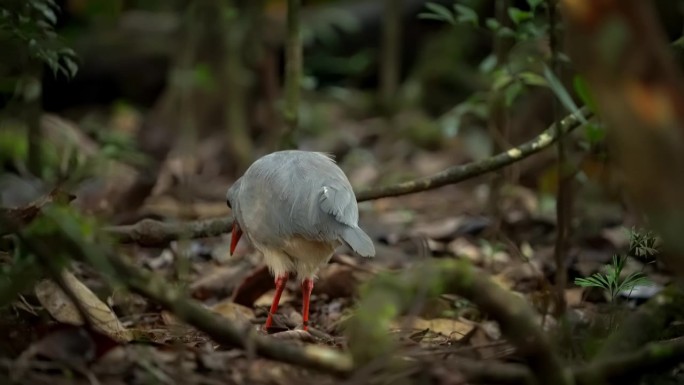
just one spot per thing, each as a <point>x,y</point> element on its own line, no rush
<point>610,279</point>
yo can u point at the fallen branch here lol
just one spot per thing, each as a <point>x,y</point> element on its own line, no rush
<point>154,233</point>
<point>149,232</point>
<point>388,296</point>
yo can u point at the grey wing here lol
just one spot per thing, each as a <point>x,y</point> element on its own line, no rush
<point>340,203</point>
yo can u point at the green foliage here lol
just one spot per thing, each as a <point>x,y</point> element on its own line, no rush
<point>526,28</point>
<point>642,244</point>
<point>27,33</point>
<point>611,281</point>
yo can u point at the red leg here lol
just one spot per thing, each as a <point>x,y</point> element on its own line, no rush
<point>280,286</point>
<point>307,288</point>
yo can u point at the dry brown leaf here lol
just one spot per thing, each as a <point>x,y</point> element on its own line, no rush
<point>574,296</point>
<point>504,280</point>
<point>439,230</point>
<point>462,248</point>
<point>452,328</point>
<point>300,335</point>
<point>484,337</point>
<point>56,302</point>
<point>233,311</point>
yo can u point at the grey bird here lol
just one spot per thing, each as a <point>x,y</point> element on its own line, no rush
<point>296,208</point>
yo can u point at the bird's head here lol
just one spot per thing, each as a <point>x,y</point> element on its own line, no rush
<point>233,203</point>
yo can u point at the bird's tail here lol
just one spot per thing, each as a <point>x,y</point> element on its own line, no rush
<point>359,241</point>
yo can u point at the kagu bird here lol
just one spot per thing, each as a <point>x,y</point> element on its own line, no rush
<point>296,208</point>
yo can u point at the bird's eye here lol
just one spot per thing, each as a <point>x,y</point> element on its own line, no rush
<point>228,204</point>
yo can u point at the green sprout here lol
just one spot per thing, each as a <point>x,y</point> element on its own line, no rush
<point>610,279</point>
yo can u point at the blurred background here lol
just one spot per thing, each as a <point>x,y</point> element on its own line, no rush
<point>183,95</point>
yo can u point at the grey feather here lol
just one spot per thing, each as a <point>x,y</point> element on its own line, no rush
<point>359,241</point>
<point>297,194</point>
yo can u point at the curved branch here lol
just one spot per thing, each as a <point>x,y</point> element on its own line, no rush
<point>460,173</point>
<point>388,296</point>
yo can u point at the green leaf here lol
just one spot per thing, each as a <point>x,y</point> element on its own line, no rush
<point>501,80</point>
<point>533,79</point>
<point>582,88</point>
<point>596,280</point>
<point>534,3</point>
<point>438,12</point>
<point>518,15</point>
<point>466,14</point>
<point>488,64</point>
<point>594,133</point>
<point>432,16</point>
<point>47,11</point>
<point>562,94</point>
<point>512,92</point>
<point>492,24</point>
<point>505,32</point>
<point>72,67</point>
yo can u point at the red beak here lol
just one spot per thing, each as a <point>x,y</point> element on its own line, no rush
<point>235,236</point>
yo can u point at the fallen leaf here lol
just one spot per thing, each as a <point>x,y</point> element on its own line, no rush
<point>484,339</point>
<point>504,280</point>
<point>233,311</point>
<point>452,328</point>
<point>300,335</point>
<point>438,230</point>
<point>573,296</point>
<point>56,302</point>
<point>462,248</point>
